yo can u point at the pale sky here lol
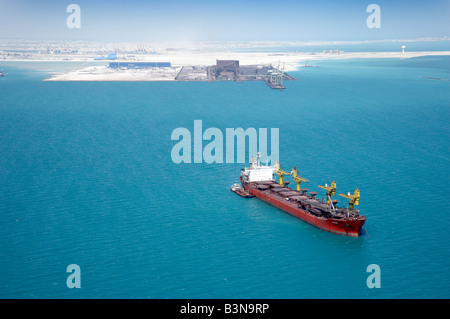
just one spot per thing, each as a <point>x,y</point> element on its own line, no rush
<point>209,20</point>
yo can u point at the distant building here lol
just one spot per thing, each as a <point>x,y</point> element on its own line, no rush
<point>227,65</point>
<point>332,51</point>
<point>139,65</point>
<point>111,56</point>
<point>226,69</point>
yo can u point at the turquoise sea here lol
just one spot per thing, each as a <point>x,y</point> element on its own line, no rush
<point>86,178</point>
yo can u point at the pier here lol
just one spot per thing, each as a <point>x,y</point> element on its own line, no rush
<point>223,70</point>
<point>231,70</point>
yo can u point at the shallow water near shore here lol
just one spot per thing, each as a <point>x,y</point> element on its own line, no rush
<point>86,177</point>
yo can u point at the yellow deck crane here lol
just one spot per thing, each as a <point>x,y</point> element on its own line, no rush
<point>297,178</point>
<point>352,199</point>
<point>331,190</point>
<point>280,172</point>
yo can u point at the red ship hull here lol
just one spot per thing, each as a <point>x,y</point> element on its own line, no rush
<point>343,226</point>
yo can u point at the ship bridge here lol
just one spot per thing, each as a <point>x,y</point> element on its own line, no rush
<point>257,172</point>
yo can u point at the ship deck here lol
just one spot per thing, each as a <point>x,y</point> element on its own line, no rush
<point>301,200</point>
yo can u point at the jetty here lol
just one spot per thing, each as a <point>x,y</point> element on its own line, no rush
<point>223,70</point>
<point>231,70</point>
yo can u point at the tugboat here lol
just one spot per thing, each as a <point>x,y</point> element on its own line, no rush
<point>236,188</point>
<point>258,180</point>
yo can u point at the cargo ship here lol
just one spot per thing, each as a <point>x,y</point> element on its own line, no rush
<point>258,180</point>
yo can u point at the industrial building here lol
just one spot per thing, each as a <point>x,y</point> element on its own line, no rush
<point>225,70</point>
<point>230,70</point>
<point>112,56</point>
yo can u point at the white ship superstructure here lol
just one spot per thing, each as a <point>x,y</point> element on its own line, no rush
<point>257,172</point>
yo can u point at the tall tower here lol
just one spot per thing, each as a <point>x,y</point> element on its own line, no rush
<point>403,48</point>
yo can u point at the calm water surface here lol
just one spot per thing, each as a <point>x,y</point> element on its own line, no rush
<point>86,177</point>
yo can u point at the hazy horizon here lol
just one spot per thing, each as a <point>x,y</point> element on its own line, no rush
<point>262,42</point>
<point>214,21</point>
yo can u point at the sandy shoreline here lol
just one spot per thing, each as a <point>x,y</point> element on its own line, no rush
<point>291,61</point>
<point>104,73</point>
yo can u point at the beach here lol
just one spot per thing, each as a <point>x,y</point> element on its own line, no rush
<point>286,56</point>
<point>287,61</point>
